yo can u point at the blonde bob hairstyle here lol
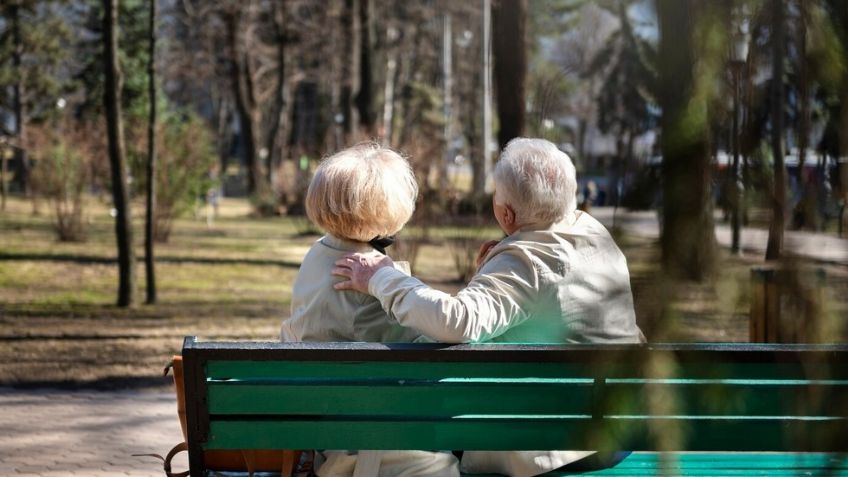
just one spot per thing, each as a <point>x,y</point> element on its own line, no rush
<point>361,193</point>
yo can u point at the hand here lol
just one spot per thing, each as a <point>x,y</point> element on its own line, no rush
<point>358,268</point>
<point>484,250</point>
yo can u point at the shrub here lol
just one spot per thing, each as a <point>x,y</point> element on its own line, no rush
<point>185,160</point>
<point>64,167</point>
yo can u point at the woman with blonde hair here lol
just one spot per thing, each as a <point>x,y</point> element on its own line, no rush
<point>361,197</point>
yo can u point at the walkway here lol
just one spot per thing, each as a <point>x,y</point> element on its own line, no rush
<point>92,434</point>
<point>815,246</point>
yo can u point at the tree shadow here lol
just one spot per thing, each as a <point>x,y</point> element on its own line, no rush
<point>97,259</point>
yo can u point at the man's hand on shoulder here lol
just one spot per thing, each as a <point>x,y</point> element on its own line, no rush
<point>484,251</point>
<point>358,268</point>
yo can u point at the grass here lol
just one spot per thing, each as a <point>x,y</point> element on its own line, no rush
<point>59,327</point>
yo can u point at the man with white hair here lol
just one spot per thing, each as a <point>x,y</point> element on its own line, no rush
<point>558,277</point>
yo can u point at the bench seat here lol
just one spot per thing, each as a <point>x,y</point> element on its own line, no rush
<point>705,464</point>
<point>715,409</point>
<point>728,464</point>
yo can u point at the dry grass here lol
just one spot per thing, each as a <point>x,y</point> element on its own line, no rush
<point>58,325</point>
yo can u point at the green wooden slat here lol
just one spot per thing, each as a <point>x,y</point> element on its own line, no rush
<point>750,397</point>
<point>385,369</point>
<point>438,370</point>
<point>551,396</point>
<point>386,400</point>
<point>346,434</point>
<point>524,433</point>
<point>720,464</point>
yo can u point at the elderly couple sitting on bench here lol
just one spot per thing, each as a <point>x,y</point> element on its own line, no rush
<point>557,277</point>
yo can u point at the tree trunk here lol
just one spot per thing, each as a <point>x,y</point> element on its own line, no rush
<point>365,96</point>
<point>117,161</point>
<point>276,134</point>
<point>688,237</point>
<point>808,214</point>
<point>349,64</point>
<point>778,196</point>
<point>245,102</point>
<point>447,76</point>
<point>223,131</point>
<point>509,45</point>
<point>391,82</point>
<point>150,273</point>
<point>19,103</point>
<point>3,190</point>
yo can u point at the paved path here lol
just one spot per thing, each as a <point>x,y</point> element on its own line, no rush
<point>821,247</point>
<point>90,433</point>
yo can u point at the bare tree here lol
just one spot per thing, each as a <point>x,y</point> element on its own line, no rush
<point>365,95</point>
<point>149,268</point>
<point>778,194</point>
<point>281,107</point>
<point>589,30</point>
<point>19,103</point>
<point>349,71</point>
<point>117,160</point>
<point>509,48</point>
<point>688,236</point>
<point>245,90</point>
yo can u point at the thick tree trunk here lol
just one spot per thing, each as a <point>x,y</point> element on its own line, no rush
<point>808,211</point>
<point>509,45</point>
<point>117,161</point>
<point>245,102</point>
<point>778,195</point>
<point>349,64</point>
<point>688,236</point>
<point>3,190</point>
<point>365,96</point>
<point>19,103</point>
<point>149,267</point>
<point>277,131</point>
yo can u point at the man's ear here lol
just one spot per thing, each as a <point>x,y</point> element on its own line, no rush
<point>508,215</point>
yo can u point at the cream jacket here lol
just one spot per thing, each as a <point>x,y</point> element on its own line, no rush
<point>321,313</point>
<point>567,283</point>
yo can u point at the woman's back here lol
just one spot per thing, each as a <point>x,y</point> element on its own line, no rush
<point>320,313</point>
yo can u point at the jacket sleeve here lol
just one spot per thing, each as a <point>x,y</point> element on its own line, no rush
<point>497,298</point>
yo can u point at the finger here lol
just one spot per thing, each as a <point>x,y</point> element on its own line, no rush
<point>344,262</point>
<point>342,272</point>
<point>345,285</point>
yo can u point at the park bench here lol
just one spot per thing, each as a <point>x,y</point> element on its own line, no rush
<point>709,409</point>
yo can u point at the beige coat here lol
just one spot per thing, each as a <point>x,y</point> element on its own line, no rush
<point>567,283</point>
<point>320,313</point>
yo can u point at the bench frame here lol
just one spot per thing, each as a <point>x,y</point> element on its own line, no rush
<point>824,366</point>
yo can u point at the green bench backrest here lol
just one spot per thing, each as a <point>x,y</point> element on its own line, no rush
<point>499,397</point>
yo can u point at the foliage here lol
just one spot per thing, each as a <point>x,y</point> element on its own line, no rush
<point>44,32</point>
<point>133,57</point>
<point>629,86</point>
<point>186,157</point>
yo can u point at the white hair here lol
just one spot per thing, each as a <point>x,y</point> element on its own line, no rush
<point>537,180</point>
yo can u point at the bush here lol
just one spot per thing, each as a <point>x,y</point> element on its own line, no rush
<point>185,161</point>
<point>64,167</point>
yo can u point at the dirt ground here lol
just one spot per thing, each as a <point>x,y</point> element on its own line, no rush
<point>231,281</point>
